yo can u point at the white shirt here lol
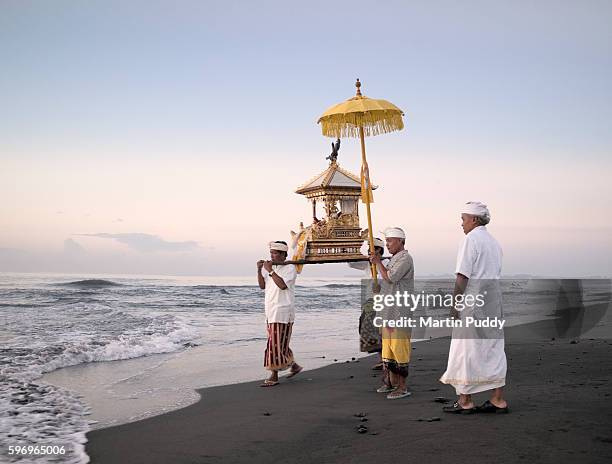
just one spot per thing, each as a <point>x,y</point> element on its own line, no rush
<point>280,304</point>
<point>480,256</point>
<point>366,267</point>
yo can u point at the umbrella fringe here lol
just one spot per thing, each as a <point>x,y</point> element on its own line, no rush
<point>373,123</point>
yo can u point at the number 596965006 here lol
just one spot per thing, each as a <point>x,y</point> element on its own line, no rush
<point>36,449</point>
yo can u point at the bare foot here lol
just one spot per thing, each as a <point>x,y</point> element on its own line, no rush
<point>295,370</point>
<point>499,403</point>
<point>467,405</point>
<point>269,383</point>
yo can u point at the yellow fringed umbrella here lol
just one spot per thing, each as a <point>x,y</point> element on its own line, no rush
<point>362,117</point>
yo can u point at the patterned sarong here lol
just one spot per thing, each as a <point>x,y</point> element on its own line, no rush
<point>396,348</point>
<point>278,355</point>
<point>369,334</point>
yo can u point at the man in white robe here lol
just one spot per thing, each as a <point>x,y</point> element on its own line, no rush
<point>476,359</point>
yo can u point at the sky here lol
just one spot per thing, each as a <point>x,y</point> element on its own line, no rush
<point>168,137</point>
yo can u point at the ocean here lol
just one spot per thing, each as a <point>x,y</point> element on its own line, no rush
<point>81,352</point>
<point>51,322</point>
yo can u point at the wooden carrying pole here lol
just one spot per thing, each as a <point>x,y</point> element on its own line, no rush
<point>366,173</point>
<point>346,260</point>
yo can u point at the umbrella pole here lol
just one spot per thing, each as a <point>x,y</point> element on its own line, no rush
<point>364,164</point>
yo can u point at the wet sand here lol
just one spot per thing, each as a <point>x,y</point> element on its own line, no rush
<point>559,394</point>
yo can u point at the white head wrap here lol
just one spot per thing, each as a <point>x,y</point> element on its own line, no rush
<point>278,246</point>
<point>379,243</point>
<point>394,232</point>
<point>476,208</point>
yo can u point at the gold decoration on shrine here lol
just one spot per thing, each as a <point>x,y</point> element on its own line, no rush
<point>337,234</point>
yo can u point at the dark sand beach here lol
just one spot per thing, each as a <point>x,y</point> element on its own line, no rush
<point>559,392</point>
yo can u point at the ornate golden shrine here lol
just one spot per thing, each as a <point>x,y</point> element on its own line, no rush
<point>337,236</point>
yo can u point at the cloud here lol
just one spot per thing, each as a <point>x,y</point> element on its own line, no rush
<point>12,253</point>
<point>13,260</point>
<point>73,248</point>
<point>147,242</point>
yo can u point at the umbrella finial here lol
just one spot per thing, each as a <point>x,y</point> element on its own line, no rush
<point>358,85</point>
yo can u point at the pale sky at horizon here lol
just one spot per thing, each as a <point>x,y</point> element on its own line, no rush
<point>169,137</point>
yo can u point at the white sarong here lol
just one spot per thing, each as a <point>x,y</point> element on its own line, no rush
<point>476,359</point>
<point>475,365</point>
